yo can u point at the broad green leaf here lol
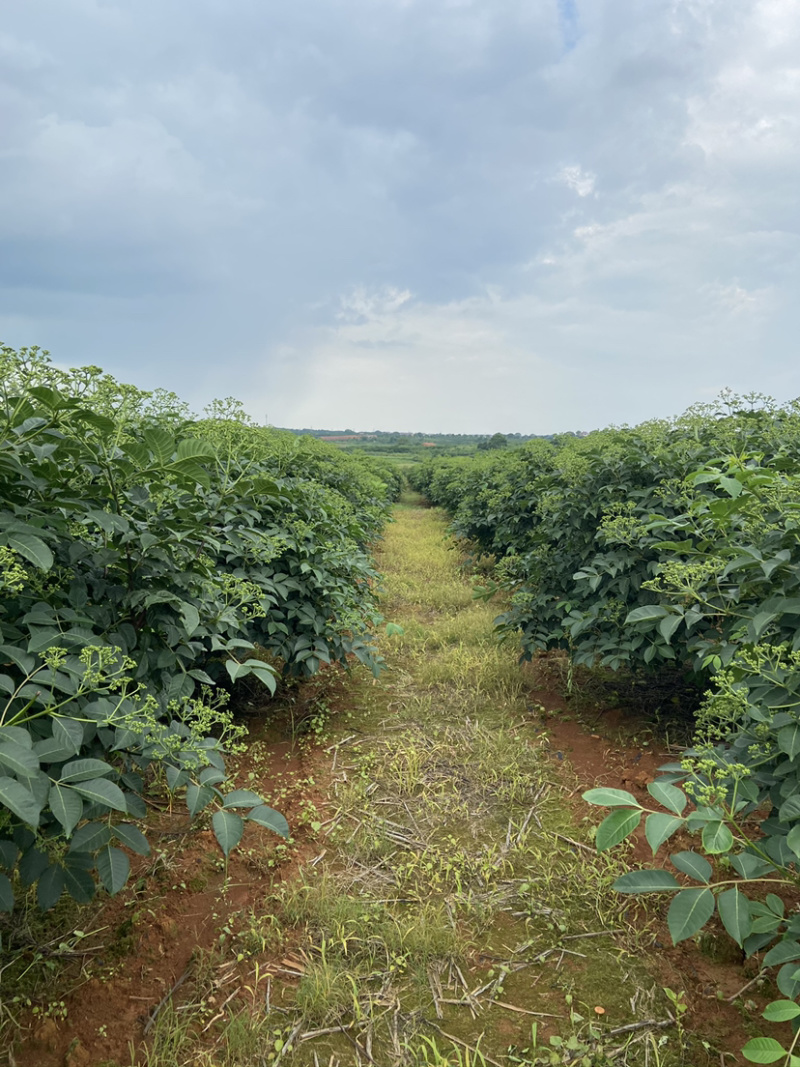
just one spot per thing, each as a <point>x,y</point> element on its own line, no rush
<point>101,791</point>
<point>611,798</point>
<point>669,796</point>
<point>717,838</point>
<point>793,839</point>
<point>763,1050</point>
<point>695,866</point>
<point>734,910</point>
<point>211,776</point>
<point>90,837</point>
<point>191,618</point>
<point>241,798</point>
<point>66,805</point>
<point>132,838</point>
<point>6,894</point>
<point>789,740</point>
<point>113,867</point>
<point>80,884</point>
<point>228,829</point>
<point>784,952</point>
<point>81,770</point>
<point>668,625</point>
<point>659,828</point>
<point>32,548</point>
<point>649,613</point>
<point>160,443</point>
<point>50,887</point>
<point>788,981</point>
<point>68,733</point>
<point>790,809</point>
<point>616,827</point>
<point>646,881</point>
<point>19,800</point>
<point>198,797</point>
<point>689,911</point>
<point>781,1011</point>
<point>749,866</point>
<point>192,448</point>
<point>22,761</point>
<point>273,820</point>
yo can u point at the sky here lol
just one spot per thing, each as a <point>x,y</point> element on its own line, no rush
<point>466,216</point>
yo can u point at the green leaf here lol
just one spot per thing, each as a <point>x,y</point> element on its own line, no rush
<point>763,1050</point>
<point>649,613</point>
<point>668,625</point>
<point>689,911</point>
<point>787,981</point>
<point>160,443</point>
<point>273,820</point>
<point>793,839</point>
<point>6,894</point>
<point>22,761</point>
<point>68,733</point>
<point>66,805</point>
<point>646,881</point>
<point>228,829</point>
<point>80,770</point>
<point>616,827</point>
<point>101,791</point>
<point>695,866</point>
<point>113,867</point>
<point>191,618</point>
<point>659,828</point>
<point>717,838</point>
<point>90,837</point>
<point>19,800</point>
<point>192,448</point>
<point>199,797</point>
<point>32,548</point>
<point>80,884</point>
<point>734,910</point>
<point>784,952</point>
<point>241,798</point>
<point>781,1011</point>
<point>132,838</point>
<point>50,887</point>
<point>789,740</point>
<point>669,796</point>
<point>611,798</point>
<point>790,809</point>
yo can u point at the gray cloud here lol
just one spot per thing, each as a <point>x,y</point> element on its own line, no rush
<point>447,214</point>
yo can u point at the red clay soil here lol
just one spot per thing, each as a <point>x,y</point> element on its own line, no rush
<point>155,930</point>
<point>711,970</point>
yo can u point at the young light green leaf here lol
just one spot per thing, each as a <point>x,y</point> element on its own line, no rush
<point>763,1050</point>
<point>669,796</point>
<point>734,910</point>
<point>697,867</point>
<point>689,911</point>
<point>781,1011</point>
<point>616,827</point>
<point>273,820</point>
<point>611,798</point>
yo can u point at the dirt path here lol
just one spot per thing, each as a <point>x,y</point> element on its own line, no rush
<point>443,904</point>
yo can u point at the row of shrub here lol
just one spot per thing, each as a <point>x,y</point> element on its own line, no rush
<point>672,546</point>
<point>146,559</point>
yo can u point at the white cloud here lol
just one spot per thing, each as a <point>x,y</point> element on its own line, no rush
<point>580,181</point>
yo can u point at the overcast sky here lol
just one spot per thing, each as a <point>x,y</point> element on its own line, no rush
<point>441,215</point>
